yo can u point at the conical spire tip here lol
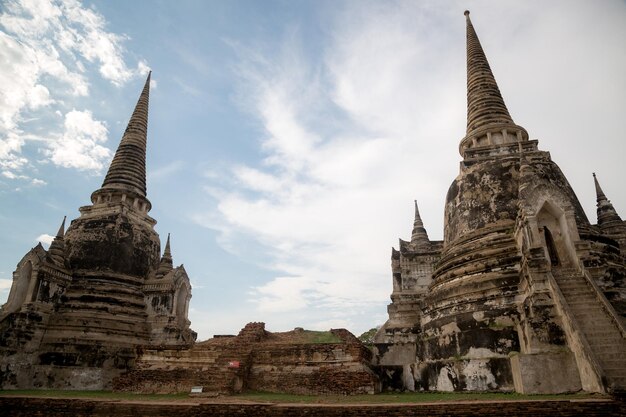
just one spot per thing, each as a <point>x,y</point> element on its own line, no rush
<point>167,252</point>
<point>486,111</point>
<point>61,231</point>
<point>419,236</point>
<point>127,171</point>
<point>599,192</point>
<point>166,265</point>
<point>418,218</point>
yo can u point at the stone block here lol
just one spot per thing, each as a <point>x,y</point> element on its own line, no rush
<point>545,373</point>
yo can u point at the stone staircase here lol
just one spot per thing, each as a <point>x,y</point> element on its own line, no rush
<point>602,334</point>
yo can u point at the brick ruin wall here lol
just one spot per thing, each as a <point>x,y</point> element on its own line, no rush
<point>312,369</point>
<point>252,360</point>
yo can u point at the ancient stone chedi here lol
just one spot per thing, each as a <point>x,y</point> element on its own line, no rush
<point>524,293</point>
<point>77,313</point>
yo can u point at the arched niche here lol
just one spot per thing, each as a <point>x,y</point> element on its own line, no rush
<point>182,304</point>
<point>556,235</point>
<point>35,291</point>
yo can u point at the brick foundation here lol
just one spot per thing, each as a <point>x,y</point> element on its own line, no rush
<point>27,407</point>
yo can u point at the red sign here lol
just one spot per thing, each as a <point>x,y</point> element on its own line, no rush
<point>233,364</point>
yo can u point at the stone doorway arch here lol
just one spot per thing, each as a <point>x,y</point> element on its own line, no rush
<point>555,235</point>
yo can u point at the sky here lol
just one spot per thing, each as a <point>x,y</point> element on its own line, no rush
<point>288,139</point>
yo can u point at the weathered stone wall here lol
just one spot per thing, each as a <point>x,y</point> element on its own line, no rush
<point>485,193</point>
<point>607,266</point>
<point>23,375</point>
<point>536,374</point>
<point>312,369</point>
<point>488,374</point>
<point>109,238</point>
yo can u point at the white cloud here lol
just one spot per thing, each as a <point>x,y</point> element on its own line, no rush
<point>45,239</point>
<point>5,284</point>
<point>336,165</point>
<point>165,170</point>
<point>35,182</point>
<point>10,148</point>
<point>45,46</point>
<point>228,324</point>
<point>143,68</point>
<point>73,29</point>
<point>5,287</point>
<point>336,323</point>
<point>80,144</point>
<point>193,91</point>
<point>18,81</point>
<point>283,294</point>
<point>10,175</point>
<point>39,96</point>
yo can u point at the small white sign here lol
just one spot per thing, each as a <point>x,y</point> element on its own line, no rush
<point>196,390</point>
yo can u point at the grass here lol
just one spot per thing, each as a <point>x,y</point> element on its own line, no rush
<point>405,397</point>
<point>104,395</point>
<point>386,398</point>
<point>312,336</point>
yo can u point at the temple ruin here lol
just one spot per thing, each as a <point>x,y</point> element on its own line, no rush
<point>77,312</point>
<point>523,293</point>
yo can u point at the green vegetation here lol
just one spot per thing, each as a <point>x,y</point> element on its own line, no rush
<point>267,397</point>
<point>498,326</point>
<point>367,338</point>
<point>312,336</point>
<point>105,395</point>
<point>405,397</point>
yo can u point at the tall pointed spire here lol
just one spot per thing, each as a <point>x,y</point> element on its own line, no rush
<point>61,231</point>
<point>167,252</point>
<point>167,263</point>
<point>56,251</point>
<point>419,237</point>
<point>607,216</point>
<point>128,168</point>
<point>599,193</point>
<point>486,111</point>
